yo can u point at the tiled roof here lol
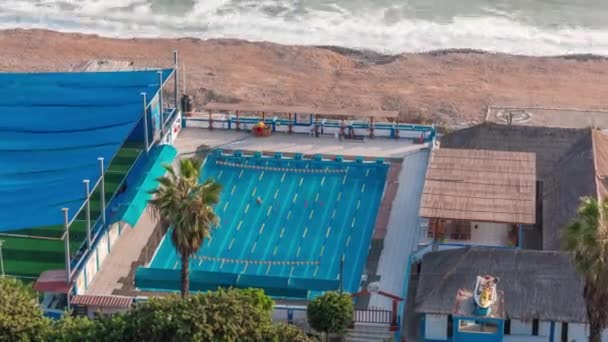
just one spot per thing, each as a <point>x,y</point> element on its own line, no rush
<point>117,302</point>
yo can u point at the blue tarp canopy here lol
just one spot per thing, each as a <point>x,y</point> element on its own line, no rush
<point>53,127</point>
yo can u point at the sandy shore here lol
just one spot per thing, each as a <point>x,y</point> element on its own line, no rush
<point>451,87</point>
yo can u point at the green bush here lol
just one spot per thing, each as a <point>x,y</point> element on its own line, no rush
<point>288,333</point>
<point>223,315</point>
<point>331,313</point>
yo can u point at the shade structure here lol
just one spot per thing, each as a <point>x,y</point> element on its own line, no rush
<point>53,127</point>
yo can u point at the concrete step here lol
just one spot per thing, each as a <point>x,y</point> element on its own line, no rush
<point>358,338</point>
<point>369,333</point>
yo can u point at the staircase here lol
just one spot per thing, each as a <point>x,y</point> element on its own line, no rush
<point>369,333</point>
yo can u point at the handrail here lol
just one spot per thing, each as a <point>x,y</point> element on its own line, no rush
<point>77,263</point>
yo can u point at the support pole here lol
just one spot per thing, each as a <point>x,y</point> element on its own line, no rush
<point>1,260</point>
<point>210,121</point>
<point>371,127</point>
<point>175,66</point>
<point>102,188</point>
<point>289,125</point>
<point>160,101</point>
<point>145,121</point>
<point>397,129</point>
<point>394,326</point>
<point>263,116</point>
<point>238,121</point>
<point>341,272</point>
<point>87,191</point>
<point>341,127</point>
<point>66,242</point>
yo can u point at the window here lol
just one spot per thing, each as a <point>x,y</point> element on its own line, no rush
<point>450,229</point>
<point>475,326</point>
<point>534,327</point>
<point>507,327</point>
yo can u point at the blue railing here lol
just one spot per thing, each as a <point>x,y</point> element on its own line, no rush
<point>429,130</point>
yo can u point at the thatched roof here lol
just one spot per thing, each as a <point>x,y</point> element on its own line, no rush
<point>536,284</point>
<point>573,177</point>
<point>480,185</point>
<point>565,164</point>
<point>549,144</point>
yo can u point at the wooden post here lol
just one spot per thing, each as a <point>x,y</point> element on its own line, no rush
<point>263,116</point>
<point>394,326</point>
<point>397,129</point>
<point>371,127</point>
<point>238,121</point>
<point>210,121</point>
<point>289,125</point>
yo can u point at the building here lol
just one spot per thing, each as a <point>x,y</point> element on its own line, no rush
<point>85,149</point>
<point>542,295</point>
<point>479,197</point>
<point>570,164</point>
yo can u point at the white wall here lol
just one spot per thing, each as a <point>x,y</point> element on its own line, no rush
<point>520,327</point>
<point>576,332</point>
<point>495,234</point>
<point>100,251</point>
<point>435,327</point>
<point>525,328</point>
<point>544,328</point>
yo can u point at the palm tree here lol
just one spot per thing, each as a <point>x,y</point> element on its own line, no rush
<point>586,238</point>
<point>185,204</point>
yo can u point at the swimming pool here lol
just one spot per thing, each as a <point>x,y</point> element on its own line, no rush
<point>285,225</point>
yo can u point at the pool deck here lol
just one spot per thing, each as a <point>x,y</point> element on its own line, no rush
<point>191,139</point>
<point>401,232</point>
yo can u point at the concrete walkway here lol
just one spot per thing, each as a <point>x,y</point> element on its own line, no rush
<point>403,228</point>
<point>190,139</point>
<point>123,255</point>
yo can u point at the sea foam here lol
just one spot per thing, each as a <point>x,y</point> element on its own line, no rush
<point>288,22</point>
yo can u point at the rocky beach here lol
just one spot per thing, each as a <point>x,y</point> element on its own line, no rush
<point>451,87</point>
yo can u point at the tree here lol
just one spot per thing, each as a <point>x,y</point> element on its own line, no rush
<point>331,313</point>
<point>20,316</point>
<point>586,238</point>
<point>186,205</point>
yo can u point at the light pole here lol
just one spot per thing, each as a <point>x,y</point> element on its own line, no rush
<point>1,260</point>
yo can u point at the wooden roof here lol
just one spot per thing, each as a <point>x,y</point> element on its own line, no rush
<point>117,302</point>
<point>480,185</point>
<point>243,107</point>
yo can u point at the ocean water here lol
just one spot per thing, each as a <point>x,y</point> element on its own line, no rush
<point>532,27</point>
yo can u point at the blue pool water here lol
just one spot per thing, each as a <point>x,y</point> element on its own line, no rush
<point>312,214</point>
